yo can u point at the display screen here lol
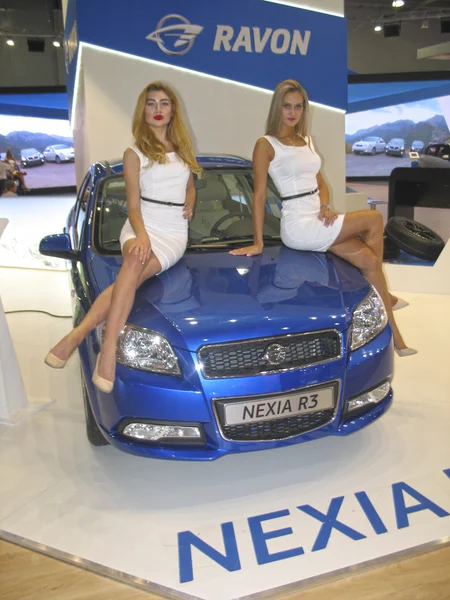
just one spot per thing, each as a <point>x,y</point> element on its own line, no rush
<point>387,120</point>
<point>36,129</point>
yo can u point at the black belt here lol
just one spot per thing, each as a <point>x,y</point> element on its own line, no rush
<point>161,202</point>
<point>300,195</point>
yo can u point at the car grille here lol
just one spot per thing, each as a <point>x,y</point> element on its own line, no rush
<point>277,429</point>
<point>268,355</point>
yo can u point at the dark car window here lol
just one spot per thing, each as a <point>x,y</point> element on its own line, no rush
<point>83,198</point>
<point>223,209</point>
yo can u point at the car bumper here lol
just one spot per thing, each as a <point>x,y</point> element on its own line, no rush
<point>362,150</point>
<point>31,163</point>
<point>189,401</point>
<point>395,152</point>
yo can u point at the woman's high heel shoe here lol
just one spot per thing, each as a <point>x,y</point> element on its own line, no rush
<point>104,385</point>
<point>405,351</point>
<point>400,304</point>
<point>56,363</point>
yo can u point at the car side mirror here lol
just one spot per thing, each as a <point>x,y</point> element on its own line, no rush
<point>58,246</point>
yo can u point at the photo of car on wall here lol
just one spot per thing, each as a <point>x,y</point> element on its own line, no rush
<point>40,142</point>
<point>407,116</point>
<point>396,147</point>
<point>30,157</point>
<point>369,145</point>
<point>59,153</point>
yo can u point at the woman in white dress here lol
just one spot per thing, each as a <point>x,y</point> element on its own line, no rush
<point>287,154</point>
<point>158,171</point>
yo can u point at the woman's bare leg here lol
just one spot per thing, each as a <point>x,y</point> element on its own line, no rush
<point>96,315</point>
<point>358,253</point>
<point>122,299</point>
<point>368,226</point>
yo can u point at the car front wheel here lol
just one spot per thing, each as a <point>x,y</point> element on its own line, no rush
<point>94,435</point>
<point>58,160</point>
<point>374,151</point>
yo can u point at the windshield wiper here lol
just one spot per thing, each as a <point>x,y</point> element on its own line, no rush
<point>225,241</point>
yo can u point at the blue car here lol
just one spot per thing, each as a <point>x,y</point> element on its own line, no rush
<point>225,354</point>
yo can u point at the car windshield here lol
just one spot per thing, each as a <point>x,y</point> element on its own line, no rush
<point>61,147</point>
<point>417,143</point>
<point>29,151</point>
<point>222,217</point>
<point>396,141</point>
<point>370,139</point>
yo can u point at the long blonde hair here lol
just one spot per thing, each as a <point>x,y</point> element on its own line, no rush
<point>273,123</point>
<point>177,132</point>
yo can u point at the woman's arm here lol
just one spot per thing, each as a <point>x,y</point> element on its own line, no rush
<point>263,153</point>
<point>326,214</point>
<point>190,198</point>
<point>131,170</point>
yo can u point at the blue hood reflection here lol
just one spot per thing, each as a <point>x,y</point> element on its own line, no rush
<point>215,297</point>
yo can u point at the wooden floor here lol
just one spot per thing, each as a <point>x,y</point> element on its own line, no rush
<point>27,575</point>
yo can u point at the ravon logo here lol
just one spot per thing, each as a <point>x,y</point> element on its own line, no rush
<point>275,354</point>
<point>174,34</point>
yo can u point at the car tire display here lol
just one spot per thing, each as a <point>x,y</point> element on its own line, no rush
<point>93,433</point>
<point>415,238</point>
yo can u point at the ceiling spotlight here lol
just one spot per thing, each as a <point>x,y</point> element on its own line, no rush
<point>10,42</point>
<point>56,44</point>
<point>377,28</point>
<point>398,3</point>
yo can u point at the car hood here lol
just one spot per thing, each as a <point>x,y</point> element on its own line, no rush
<point>363,143</point>
<point>211,297</point>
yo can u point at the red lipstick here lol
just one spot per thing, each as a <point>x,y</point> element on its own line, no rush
<point>158,117</point>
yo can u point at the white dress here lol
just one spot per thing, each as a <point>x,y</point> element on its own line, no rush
<point>165,225</point>
<point>294,171</point>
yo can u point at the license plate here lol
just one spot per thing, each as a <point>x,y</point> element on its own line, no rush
<point>279,407</point>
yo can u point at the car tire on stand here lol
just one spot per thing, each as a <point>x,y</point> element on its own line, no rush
<point>415,238</point>
<point>93,432</point>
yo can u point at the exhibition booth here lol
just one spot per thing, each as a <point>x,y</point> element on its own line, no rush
<point>251,524</point>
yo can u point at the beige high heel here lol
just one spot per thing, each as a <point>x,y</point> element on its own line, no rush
<point>104,385</point>
<point>405,351</point>
<point>57,363</point>
<point>400,304</point>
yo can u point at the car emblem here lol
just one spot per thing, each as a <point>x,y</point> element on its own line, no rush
<point>275,354</point>
<point>184,32</point>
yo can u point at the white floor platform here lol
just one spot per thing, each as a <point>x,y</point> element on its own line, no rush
<point>126,516</point>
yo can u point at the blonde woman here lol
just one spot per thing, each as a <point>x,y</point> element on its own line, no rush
<point>158,171</point>
<point>287,154</point>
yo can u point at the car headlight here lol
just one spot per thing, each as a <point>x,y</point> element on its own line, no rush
<point>369,319</point>
<point>147,350</point>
